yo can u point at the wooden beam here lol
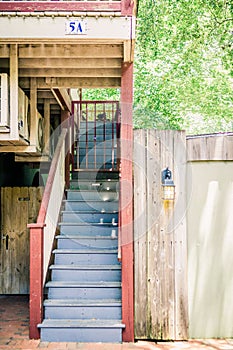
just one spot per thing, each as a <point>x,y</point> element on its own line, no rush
<point>70,72</point>
<point>46,126</point>
<point>4,51</point>
<point>32,158</point>
<point>62,98</point>
<point>14,86</point>
<point>72,83</point>
<point>33,111</point>
<point>19,149</point>
<point>45,94</point>
<point>50,100</point>
<point>126,202</point>
<point>68,62</point>
<point>94,6</point>
<point>70,50</point>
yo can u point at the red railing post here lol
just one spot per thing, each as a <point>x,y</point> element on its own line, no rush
<point>36,278</point>
<point>126,201</point>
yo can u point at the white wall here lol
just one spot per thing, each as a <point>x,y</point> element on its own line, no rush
<point>210,248</point>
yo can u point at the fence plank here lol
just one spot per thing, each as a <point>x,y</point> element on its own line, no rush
<point>161,254</point>
<point>210,147</point>
<point>140,234</point>
<point>181,312</point>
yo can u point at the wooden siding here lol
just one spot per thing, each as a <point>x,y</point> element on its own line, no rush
<point>210,147</point>
<point>159,237</point>
<point>19,205</point>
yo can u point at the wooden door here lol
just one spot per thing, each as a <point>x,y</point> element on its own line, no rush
<point>19,206</point>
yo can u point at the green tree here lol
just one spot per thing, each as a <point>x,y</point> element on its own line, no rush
<point>183,65</point>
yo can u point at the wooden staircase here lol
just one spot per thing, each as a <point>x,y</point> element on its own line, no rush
<point>84,294</point>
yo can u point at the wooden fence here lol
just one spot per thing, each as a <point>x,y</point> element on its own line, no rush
<point>160,252</point>
<point>19,205</point>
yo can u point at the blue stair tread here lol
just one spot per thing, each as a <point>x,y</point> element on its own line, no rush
<point>89,212</point>
<point>77,237</point>
<point>85,267</point>
<point>101,284</point>
<point>90,201</point>
<point>109,224</point>
<point>80,302</point>
<point>84,251</point>
<point>64,323</point>
<point>95,187</point>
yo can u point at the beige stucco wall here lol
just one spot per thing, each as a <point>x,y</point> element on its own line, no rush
<point>210,248</point>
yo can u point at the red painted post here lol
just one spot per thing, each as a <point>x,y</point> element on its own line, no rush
<point>126,201</point>
<point>36,278</point>
<point>56,6</point>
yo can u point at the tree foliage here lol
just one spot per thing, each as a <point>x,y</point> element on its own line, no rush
<point>183,67</point>
<point>183,75</point>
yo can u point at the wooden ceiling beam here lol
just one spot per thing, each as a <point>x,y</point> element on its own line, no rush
<point>73,83</point>
<point>71,51</point>
<point>70,62</point>
<point>71,72</point>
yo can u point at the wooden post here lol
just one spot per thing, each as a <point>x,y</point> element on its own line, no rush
<point>14,91</point>
<point>126,201</point>
<point>47,127</point>
<point>65,118</point>
<point>33,111</point>
<point>36,278</point>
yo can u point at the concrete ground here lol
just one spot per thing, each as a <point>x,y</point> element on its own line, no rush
<point>14,318</point>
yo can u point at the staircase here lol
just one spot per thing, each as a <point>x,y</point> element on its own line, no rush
<point>84,294</point>
<point>97,146</point>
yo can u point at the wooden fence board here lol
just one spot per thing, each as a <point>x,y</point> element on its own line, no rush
<point>19,205</point>
<point>164,287</point>
<point>210,147</point>
<point>140,235</point>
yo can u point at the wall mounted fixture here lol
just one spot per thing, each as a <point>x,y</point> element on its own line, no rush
<point>168,187</point>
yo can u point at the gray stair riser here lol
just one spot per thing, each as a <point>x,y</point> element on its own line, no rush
<point>97,129</point>
<point>82,243</point>
<point>81,335</point>
<point>94,175</point>
<point>91,123</point>
<point>91,206</point>
<point>98,138</point>
<point>104,163</point>
<point>88,230</point>
<point>107,144</point>
<point>98,152</point>
<point>92,195</point>
<point>86,259</point>
<point>92,158</point>
<point>89,218</point>
<point>84,293</point>
<point>83,312</point>
<point>82,144</point>
<point>94,185</point>
<point>92,166</point>
<point>86,275</point>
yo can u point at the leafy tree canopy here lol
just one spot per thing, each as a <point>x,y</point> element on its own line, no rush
<point>183,77</point>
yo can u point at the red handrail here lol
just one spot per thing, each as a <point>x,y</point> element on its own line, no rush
<point>49,182</point>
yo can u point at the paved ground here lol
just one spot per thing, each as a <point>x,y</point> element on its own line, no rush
<point>14,334</point>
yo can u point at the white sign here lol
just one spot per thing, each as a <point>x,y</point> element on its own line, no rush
<point>77,27</point>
